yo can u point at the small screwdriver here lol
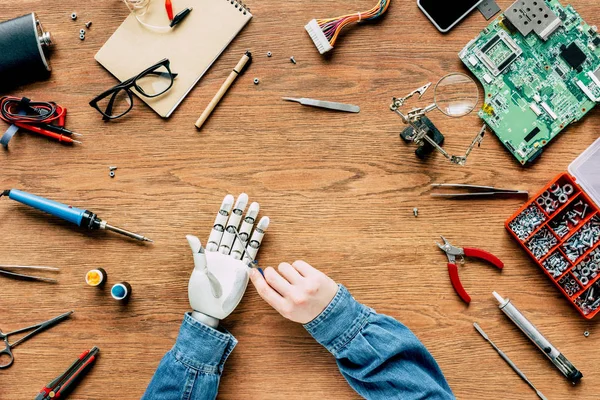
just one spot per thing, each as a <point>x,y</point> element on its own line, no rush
<point>508,361</point>
<point>79,217</point>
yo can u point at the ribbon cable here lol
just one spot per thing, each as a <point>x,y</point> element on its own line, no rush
<point>10,132</point>
<point>13,129</point>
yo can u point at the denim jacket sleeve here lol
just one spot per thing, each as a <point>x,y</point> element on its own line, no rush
<point>379,357</point>
<point>191,370</point>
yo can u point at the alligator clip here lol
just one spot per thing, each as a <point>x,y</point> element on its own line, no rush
<point>421,91</point>
<point>452,252</point>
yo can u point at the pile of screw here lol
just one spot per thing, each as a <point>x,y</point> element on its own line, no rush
<point>81,31</point>
<point>570,285</point>
<point>588,268</point>
<point>583,240</point>
<point>570,219</point>
<point>527,222</point>
<point>554,197</point>
<point>589,301</point>
<point>556,264</point>
<point>542,242</point>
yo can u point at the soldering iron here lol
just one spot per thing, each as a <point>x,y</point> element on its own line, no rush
<point>79,217</point>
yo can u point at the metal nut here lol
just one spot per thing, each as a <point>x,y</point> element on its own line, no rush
<point>82,31</point>
<point>74,16</point>
<point>568,189</point>
<point>111,174</point>
<point>586,333</point>
<point>269,54</point>
<point>82,36</point>
<point>563,198</point>
<point>256,81</point>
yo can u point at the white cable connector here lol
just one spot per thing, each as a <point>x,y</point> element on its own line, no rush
<point>318,37</point>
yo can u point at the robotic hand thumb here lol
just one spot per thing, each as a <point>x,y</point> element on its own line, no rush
<point>201,265</point>
<point>217,284</point>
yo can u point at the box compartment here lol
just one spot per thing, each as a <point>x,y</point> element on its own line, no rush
<point>560,230</point>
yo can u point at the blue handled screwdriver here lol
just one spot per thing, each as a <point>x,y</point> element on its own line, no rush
<point>77,216</point>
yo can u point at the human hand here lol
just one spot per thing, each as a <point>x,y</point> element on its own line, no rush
<point>220,274</point>
<point>299,292</point>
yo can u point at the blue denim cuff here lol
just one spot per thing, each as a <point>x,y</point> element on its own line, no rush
<point>340,322</point>
<point>201,347</point>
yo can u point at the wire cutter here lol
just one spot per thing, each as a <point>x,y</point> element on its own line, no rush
<point>37,328</point>
<point>452,252</point>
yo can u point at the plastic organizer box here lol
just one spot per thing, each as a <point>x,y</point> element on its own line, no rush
<point>560,230</point>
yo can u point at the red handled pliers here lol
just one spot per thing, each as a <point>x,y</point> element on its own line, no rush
<point>452,252</point>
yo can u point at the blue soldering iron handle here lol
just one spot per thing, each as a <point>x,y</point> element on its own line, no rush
<point>63,211</point>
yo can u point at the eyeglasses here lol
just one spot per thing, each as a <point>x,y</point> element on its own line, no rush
<point>152,82</point>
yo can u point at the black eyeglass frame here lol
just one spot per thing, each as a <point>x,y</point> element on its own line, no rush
<point>127,85</point>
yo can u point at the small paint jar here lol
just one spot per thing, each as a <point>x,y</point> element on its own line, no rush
<point>96,277</point>
<point>121,291</point>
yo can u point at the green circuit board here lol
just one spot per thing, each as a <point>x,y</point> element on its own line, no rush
<point>539,64</point>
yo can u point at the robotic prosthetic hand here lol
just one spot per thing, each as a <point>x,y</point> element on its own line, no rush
<point>221,271</point>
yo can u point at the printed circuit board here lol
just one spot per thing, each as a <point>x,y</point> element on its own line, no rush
<point>539,64</point>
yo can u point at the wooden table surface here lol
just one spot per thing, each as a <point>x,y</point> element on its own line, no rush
<point>339,188</point>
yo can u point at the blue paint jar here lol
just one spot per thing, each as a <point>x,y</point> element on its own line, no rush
<point>121,291</point>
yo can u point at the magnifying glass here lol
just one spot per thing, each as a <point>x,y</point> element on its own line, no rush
<point>456,95</point>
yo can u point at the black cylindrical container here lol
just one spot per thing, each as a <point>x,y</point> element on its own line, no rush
<point>22,45</point>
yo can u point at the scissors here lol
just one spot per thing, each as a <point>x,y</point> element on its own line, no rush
<point>37,329</point>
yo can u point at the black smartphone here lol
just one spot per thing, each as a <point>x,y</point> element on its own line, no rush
<point>445,14</point>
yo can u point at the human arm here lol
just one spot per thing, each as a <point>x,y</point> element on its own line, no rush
<point>192,368</point>
<point>378,356</point>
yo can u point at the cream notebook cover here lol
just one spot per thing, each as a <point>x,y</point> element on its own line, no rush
<point>192,46</point>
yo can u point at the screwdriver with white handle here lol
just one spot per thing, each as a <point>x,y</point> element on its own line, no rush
<point>77,216</point>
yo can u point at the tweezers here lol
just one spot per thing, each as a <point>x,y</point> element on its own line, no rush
<point>3,271</point>
<point>476,191</point>
<point>330,105</point>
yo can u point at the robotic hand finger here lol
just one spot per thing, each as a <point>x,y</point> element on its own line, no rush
<point>244,233</point>
<point>219,226</point>
<point>233,224</point>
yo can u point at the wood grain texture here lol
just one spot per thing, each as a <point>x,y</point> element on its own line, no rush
<point>339,189</point>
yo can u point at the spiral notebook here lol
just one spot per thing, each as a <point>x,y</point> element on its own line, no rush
<point>192,46</point>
